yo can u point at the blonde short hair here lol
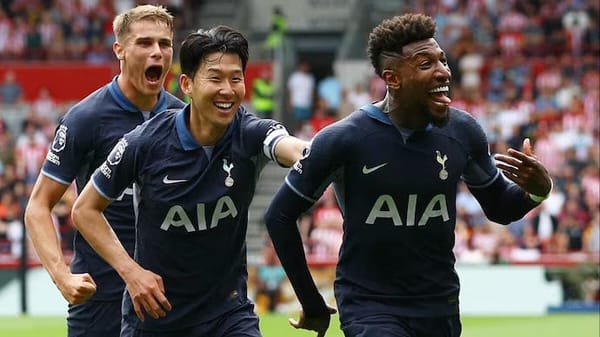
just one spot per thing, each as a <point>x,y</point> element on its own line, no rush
<point>122,22</point>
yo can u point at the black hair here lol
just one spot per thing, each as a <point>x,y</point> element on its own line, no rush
<point>394,33</point>
<point>201,43</point>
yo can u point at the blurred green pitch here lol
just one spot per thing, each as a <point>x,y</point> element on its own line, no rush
<point>554,325</point>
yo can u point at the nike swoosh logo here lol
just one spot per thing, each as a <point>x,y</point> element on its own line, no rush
<point>166,180</point>
<point>366,170</point>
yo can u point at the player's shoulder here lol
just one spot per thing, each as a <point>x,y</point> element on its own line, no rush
<point>91,107</point>
<point>248,121</point>
<point>461,121</point>
<point>345,132</point>
<point>461,116</point>
<point>172,101</point>
<point>161,122</point>
<point>358,123</point>
<point>464,128</point>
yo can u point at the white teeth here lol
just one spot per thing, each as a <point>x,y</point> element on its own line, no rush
<point>440,89</point>
<point>224,105</point>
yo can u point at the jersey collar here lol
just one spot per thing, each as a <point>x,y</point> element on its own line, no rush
<point>127,105</point>
<point>378,114</point>
<point>185,136</point>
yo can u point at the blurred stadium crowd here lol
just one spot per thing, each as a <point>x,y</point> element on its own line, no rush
<point>65,30</point>
<point>522,68</point>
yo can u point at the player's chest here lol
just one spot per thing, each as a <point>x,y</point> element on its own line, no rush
<point>188,178</point>
<point>388,162</point>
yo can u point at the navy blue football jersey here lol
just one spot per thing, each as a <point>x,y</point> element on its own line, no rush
<point>192,209</point>
<point>397,191</point>
<point>83,139</point>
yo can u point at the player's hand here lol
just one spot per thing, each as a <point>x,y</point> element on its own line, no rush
<point>76,288</point>
<point>147,292</point>
<point>525,170</point>
<point>318,323</point>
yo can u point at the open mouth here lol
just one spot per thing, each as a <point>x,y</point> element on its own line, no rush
<point>440,95</point>
<point>153,74</point>
<point>224,106</point>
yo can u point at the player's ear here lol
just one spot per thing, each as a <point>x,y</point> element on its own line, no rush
<point>185,82</point>
<point>391,78</point>
<point>119,51</point>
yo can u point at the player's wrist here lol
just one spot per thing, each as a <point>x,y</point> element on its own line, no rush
<point>539,198</point>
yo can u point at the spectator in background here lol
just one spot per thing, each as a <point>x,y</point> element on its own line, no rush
<point>9,206</point>
<point>358,96</point>
<point>278,29</point>
<point>11,91</point>
<point>544,225</point>
<point>591,234</point>
<point>30,152</point>
<point>97,53</point>
<point>17,38</point>
<point>329,88</point>
<point>262,96</point>
<point>326,235</point>
<point>269,278</point>
<point>7,146</point>
<point>14,232</point>
<point>321,116</point>
<point>5,27</point>
<point>301,86</point>
<point>57,51</point>
<point>44,107</point>
<point>48,29</point>
<point>77,42</point>
<point>346,107</point>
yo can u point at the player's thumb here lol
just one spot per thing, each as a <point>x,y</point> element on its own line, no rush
<point>527,147</point>
<point>294,323</point>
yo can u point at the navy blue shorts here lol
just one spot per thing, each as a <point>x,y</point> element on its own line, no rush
<point>242,322</point>
<point>94,319</point>
<point>391,326</point>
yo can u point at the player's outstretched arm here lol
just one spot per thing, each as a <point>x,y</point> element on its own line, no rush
<point>145,288</point>
<point>280,219</point>
<point>289,150</point>
<point>318,323</point>
<point>75,288</point>
<point>525,170</point>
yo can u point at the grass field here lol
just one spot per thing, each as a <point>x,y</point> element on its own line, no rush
<point>555,325</point>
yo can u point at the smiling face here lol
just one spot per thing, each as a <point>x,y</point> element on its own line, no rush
<point>420,83</point>
<point>146,54</point>
<point>217,90</point>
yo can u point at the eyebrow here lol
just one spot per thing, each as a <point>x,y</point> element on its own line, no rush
<point>218,70</point>
<point>150,38</point>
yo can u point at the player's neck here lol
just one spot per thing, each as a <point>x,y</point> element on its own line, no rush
<point>142,102</point>
<point>403,116</point>
<point>205,132</point>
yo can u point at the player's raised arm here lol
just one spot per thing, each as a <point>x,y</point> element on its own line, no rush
<point>523,168</point>
<point>145,288</point>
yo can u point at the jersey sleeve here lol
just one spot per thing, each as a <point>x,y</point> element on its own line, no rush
<point>71,148</point>
<point>502,200</point>
<point>262,135</point>
<point>480,169</point>
<point>274,134</point>
<point>118,171</point>
<point>321,164</point>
